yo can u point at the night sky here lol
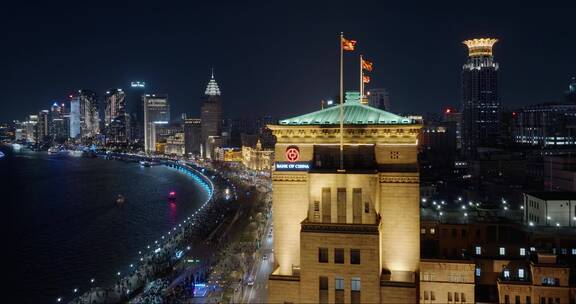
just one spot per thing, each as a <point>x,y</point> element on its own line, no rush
<point>275,59</point>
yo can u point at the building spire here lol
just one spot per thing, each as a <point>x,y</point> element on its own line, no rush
<point>212,88</point>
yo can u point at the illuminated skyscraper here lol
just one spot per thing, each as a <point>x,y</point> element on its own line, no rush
<point>43,131</point>
<point>192,136</point>
<point>58,127</point>
<point>480,101</point>
<point>135,105</point>
<point>74,117</point>
<point>156,113</point>
<point>211,117</point>
<point>116,119</point>
<point>89,114</point>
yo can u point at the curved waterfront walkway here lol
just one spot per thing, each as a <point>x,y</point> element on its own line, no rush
<point>159,258</point>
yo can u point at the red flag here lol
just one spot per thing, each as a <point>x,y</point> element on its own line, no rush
<point>367,65</point>
<point>348,45</point>
<point>365,78</point>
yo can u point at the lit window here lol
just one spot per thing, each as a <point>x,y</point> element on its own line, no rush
<point>432,231</point>
<point>478,271</point>
<point>521,273</point>
<point>339,284</point>
<point>478,250</point>
<point>532,249</point>
<point>423,231</point>
<point>502,251</point>
<point>506,273</point>
<point>573,251</point>
<point>355,284</point>
<point>522,251</point>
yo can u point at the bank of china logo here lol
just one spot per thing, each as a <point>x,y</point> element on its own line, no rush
<point>292,154</point>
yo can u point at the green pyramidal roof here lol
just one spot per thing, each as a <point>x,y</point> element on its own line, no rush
<point>354,113</point>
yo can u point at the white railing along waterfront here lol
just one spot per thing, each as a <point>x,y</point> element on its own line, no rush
<point>166,245</point>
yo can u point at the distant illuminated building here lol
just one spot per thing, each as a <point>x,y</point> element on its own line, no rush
<point>156,113</point>
<point>451,115</point>
<point>175,144</point>
<point>89,114</point>
<point>135,106</point>
<point>74,117</point>
<point>30,128</point>
<point>480,101</point>
<point>43,126</point>
<point>192,136</point>
<point>116,118</point>
<point>379,98</point>
<point>58,122</point>
<point>545,125</point>
<point>211,119</point>
<point>255,158</point>
<point>227,154</point>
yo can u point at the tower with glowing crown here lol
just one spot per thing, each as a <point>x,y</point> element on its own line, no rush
<point>480,101</point>
<point>346,235</point>
<point>211,119</point>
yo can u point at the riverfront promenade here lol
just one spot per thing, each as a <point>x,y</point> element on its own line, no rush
<point>192,262</point>
<point>158,258</point>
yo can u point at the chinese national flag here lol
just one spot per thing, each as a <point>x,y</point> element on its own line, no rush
<point>348,45</point>
<point>365,79</point>
<point>367,65</point>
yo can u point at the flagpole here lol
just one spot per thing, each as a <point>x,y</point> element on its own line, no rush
<point>341,102</point>
<point>361,81</point>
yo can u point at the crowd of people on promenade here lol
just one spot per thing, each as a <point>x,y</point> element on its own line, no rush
<point>162,275</point>
<point>165,253</point>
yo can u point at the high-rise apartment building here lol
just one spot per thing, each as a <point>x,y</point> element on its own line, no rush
<point>480,100</point>
<point>116,117</point>
<point>156,113</point>
<point>346,217</point>
<point>211,115</point>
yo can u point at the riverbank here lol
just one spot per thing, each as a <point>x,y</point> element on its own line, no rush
<point>233,224</point>
<point>157,260</point>
<point>64,226</point>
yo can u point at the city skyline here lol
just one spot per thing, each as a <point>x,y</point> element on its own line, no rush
<point>279,153</point>
<point>420,72</point>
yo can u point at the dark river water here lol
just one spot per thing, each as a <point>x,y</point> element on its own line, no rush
<point>62,227</point>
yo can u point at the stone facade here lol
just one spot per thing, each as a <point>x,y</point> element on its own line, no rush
<point>352,235</point>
